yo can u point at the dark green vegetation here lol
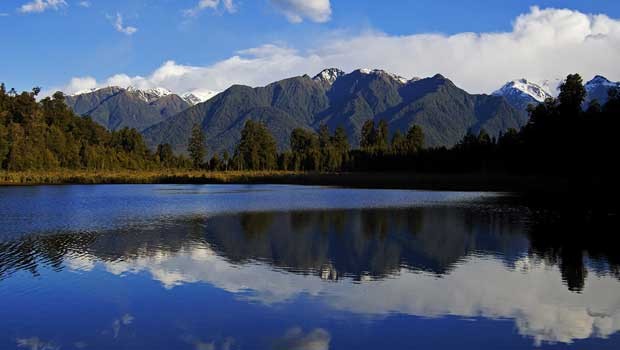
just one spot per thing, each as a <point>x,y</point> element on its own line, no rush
<point>117,108</point>
<point>444,111</point>
<point>47,135</point>
<point>562,147</point>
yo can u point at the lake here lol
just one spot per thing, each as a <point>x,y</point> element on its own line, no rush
<point>223,267</point>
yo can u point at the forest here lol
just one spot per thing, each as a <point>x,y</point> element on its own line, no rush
<point>562,138</point>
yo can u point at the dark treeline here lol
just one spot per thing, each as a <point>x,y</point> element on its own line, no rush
<point>47,135</point>
<point>561,139</point>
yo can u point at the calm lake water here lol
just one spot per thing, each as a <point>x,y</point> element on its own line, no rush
<point>289,267</point>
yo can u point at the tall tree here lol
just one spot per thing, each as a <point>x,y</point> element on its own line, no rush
<point>367,139</point>
<point>415,139</point>
<point>572,94</point>
<point>165,155</point>
<point>196,147</point>
<point>399,144</point>
<point>256,149</point>
<point>306,150</point>
<point>381,139</point>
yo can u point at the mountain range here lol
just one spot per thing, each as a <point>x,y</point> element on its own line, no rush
<point>598,89</point>
<point>444,111</point>
<point>116,108</point>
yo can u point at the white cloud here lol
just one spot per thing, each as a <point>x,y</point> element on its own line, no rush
<point>3,14</point>
<point>118,25</point>
<point>42,5</point>
<point>84,3</point>
<point>298,10</point>
<point>532,294</point>
<point>228,6</point>
<point>295,339</point>
<point>543,45</point>
<point>35,343</point>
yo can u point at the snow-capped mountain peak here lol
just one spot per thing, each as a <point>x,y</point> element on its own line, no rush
<point>328,76</point>
<point>197,96</point>
<point>396,77</point>
<point>149,95</point>
<point>600,80</point>
<point>523,87</point>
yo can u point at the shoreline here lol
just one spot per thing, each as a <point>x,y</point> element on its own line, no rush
<point>421,181</point>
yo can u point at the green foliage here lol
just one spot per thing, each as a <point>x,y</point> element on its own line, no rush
<point>367,137</point>
<point>572,94</point>
<point>316,152</point>
<point>415,139</point>
<point>306,150</point>
<point>47,135</point>
<point>256,149</point>
<point>196,147</point>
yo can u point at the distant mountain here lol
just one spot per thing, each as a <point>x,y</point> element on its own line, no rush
<point>116,108</point>
<point>598,89</point>
<point>328,76</point>
<point>522,93</point>
<point>443,110</point>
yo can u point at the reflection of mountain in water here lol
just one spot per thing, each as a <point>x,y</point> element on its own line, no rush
<point>361,244</point>
<point>364,243</point>
<point>429,262</point>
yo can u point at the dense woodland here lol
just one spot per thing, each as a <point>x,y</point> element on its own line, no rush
<point>561,138</point>
<point>47,135</point>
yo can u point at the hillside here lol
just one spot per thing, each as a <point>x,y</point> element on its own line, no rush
<point>444,111</point>
<point>116,108</point>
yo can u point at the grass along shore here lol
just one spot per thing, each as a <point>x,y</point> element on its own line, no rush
<point>464,182</point>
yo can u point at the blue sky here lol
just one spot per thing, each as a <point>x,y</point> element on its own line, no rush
<point>58,40</point>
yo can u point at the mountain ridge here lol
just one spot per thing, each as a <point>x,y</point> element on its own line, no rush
<point>444,111</point>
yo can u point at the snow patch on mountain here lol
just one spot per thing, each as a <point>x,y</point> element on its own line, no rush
<point>395,77</point>
<point>195,97</point>
<point>524,88</point>
<point>149,95</point>
<point>598,81</point>
<point>328,76</point>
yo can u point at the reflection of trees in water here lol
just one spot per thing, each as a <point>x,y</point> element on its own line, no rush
<point>356,243</point>
<point>569,240</point>
<point>375,242</point>
<point>32,253</point>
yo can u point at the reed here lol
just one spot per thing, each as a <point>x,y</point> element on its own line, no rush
<point>396,180</point>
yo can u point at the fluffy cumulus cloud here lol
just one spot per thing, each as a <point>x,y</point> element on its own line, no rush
<point>42,5</point>
<point>121,28</point>
<point>227,5</point>
<point>298,10</point>
<point>296,339</point>
<point>538,302</point>
<point>544,44</point>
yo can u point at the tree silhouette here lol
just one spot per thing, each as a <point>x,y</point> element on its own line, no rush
<point>196,147</point>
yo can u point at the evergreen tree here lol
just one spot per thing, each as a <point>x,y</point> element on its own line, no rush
<point>165,155</point>
<point>415,139</point>
<point>367,139</point>
<point>196,147</point>
<point>572,94</point>
<point>256,149</point>
<point>341,143</point>
<point>399,144</point>
<point>381,138</point>
<point>306,150</point>
<point>215,164</point>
